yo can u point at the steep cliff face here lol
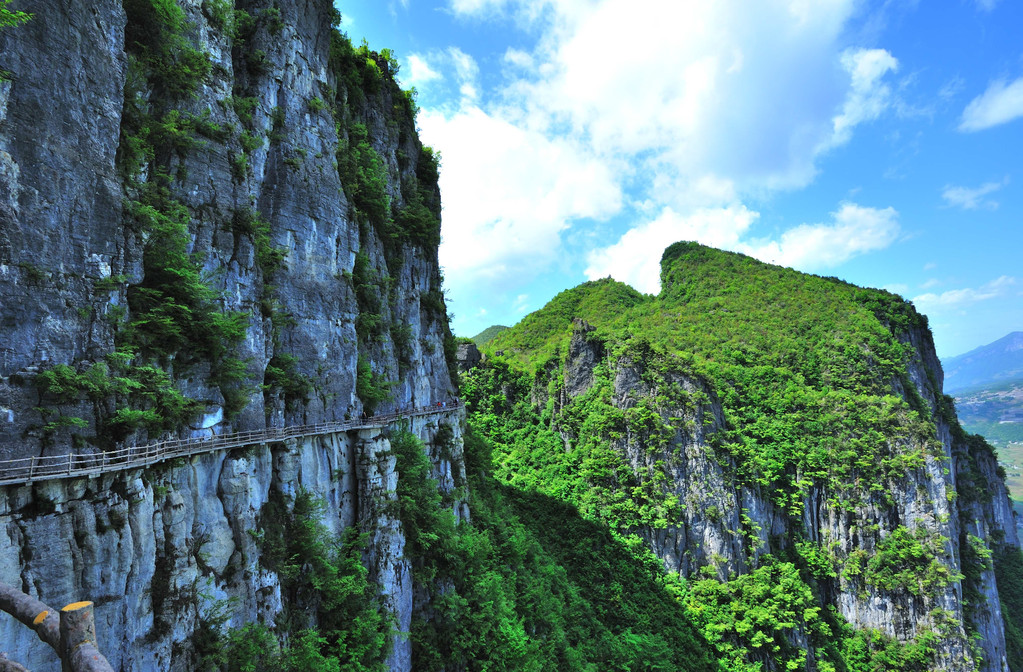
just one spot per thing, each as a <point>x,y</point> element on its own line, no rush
<point>739,452</point>
<point>226,192</point>
<point>163,550</point>
<point>214,217</point>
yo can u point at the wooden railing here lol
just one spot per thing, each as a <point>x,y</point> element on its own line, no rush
<point>28,469</point>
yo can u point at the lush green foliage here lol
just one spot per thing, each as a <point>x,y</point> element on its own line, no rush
<point>488,334</point>
<point>155,35</point>
<point>10,17</point>
<point>176,320</point>
<point>748,617</point>
<point>364,176</point>
<point>334,619</point>
<point>529,585</point>
<point>802,368</point>
<point>801,365</point>
<point>371,387</point>
<point>1008,562</point>
<point>282,374</point>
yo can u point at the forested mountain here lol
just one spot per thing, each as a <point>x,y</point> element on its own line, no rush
<point>779,440</point>
<point>219,231</point>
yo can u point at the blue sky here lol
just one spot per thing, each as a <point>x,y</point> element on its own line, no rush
<point>879,142</point>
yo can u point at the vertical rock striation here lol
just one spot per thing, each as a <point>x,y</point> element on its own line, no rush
<point>216,217</point>
<point>158,550</point>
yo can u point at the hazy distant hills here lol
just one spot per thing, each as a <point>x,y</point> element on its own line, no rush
<point>995,363</point>
<point>988,386</point>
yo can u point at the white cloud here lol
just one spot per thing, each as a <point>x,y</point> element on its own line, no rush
<point>854,230</point>
<point>987,5</point>
<point>972,199</point>
<point>952,88</point>
<point>965,296</point>
<point>1001,103</point>
<point>687,106</point>
<point>419,71</point>
<point>510,192</point>
<point>635,258</point>
<point>752,93</point>
<point>869,96</point>
<point>931,282</point>
<point>465,65</point>
<point>518,58</point>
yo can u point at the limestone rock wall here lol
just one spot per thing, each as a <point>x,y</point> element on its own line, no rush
<point>157,548</point>
<point>272,113</point>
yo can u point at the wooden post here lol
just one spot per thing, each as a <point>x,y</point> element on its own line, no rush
<point>78,640</point>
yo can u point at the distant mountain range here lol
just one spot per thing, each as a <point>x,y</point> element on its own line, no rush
<point>996,363</point>
<point>987,384</point>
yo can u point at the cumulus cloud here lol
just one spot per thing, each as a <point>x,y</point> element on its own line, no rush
<point>869,95</point>
<point>635,258</point>
<point>854,230</point>
<point>972,199</point>
<point>961,297</point>
<point>467,72</point>
<point>1000,104</point>
<point>749,92</point>
<point>510,192</point>
<point>687,107</point>
<point>419,71</point>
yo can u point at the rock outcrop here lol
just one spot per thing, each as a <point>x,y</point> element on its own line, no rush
<point>160,549</point>
<point>214,217</point>
<point>270,148</point>
<point>954,498</point>
<point>750,421</point>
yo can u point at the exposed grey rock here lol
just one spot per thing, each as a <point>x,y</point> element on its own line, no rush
<point>63,228</point>
<point>583,355</point>
<point>185,526</point>
<point>188,523</point>
<point>469,356</point>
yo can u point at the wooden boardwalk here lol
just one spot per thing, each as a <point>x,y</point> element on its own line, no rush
<point>25,470</point>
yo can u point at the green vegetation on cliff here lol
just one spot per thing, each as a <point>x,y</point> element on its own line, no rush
<point>796,387</point>
<point>803,366</point>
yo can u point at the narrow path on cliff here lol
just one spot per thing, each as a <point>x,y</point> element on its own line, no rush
<point>25,470</point>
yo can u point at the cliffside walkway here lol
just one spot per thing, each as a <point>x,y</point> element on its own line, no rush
<point>25,470</point>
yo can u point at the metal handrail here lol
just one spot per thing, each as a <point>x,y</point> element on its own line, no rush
<point>25,470</point>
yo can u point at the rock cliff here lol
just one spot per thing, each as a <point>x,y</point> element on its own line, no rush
<point>214,217</point>
<point>163,550</point>
<point>229,193</point>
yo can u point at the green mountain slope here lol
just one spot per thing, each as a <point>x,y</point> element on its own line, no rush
<point>487,334</point>
<point>778,439</point>
<point>800,362</point>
